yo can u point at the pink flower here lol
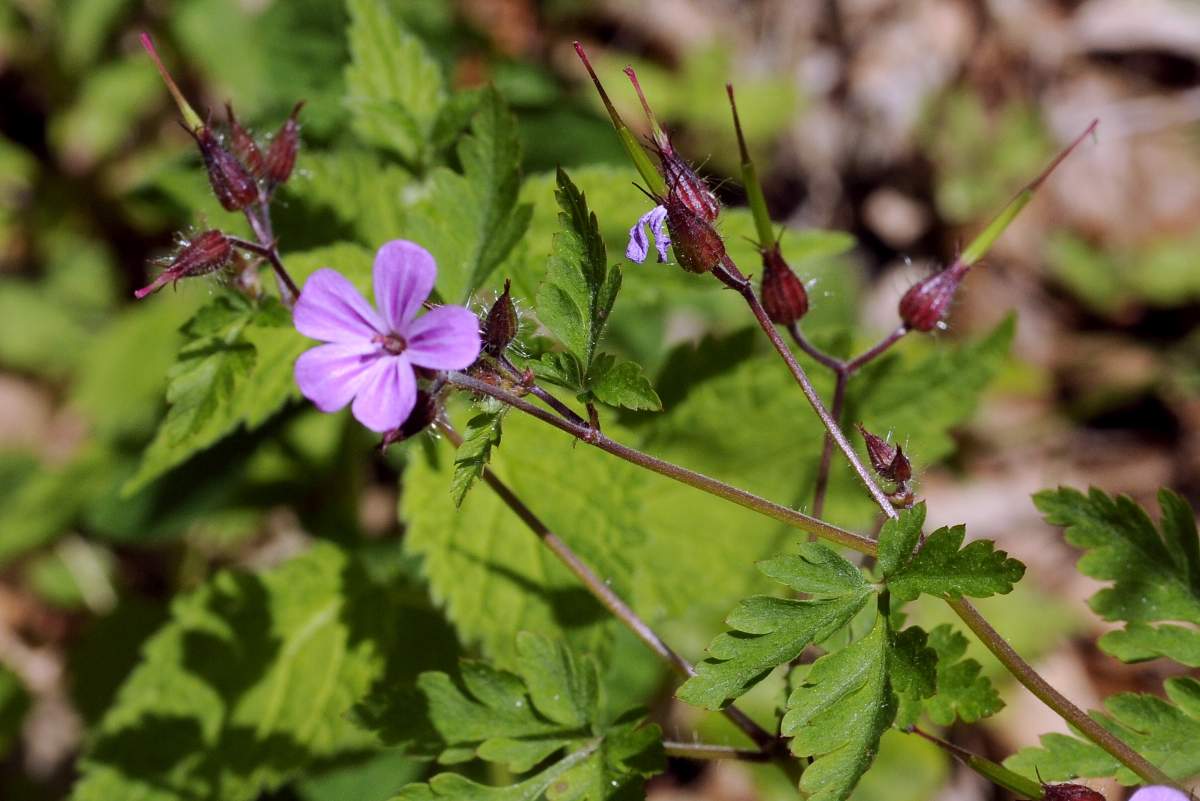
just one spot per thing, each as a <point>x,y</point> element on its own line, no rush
<point>1159,794</point>
<point>370,355</point>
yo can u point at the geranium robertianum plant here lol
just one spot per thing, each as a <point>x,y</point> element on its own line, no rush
<point>254,683</point>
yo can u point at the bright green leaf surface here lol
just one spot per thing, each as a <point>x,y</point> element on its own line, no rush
<point>944,569</point>
<point>1155,574</point>
<point>250,682</point>
<point>839,713</point>
<point>481,435</point>
<point>394,87</point>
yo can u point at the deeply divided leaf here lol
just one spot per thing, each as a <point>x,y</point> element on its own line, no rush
<point>961,692</point>
<point>1155,574</point>
<point>942,568</point>
<point>482,434</point>
<point>839,712</point>
<point>579,291</point>
<point>769,632</point>
<point>550,709</point>
<point>1164,731</point>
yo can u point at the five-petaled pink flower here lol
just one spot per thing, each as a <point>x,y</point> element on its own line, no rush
<point>370,355</point>
<point>1158,793</point>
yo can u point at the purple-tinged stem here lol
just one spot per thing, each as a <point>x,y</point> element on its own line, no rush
<point>706,751</point>
<point>704,483</point>
<point>609,599</point>
<point>835,408</point>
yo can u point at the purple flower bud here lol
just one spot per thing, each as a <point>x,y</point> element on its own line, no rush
<point>698,246</point>
<point>925,304</point>
<point>682,180</point>
<point>639,245</point>
<point>243,144</point>
<point>233,185</point>
<point>281,156</point>
<point>500,326</point>
<point>888,460</point>
<point>425,411</point>
<point>783,294</point>
<point>209,251</point>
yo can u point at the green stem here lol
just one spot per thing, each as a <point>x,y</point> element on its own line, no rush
<point>706,751</point>
<point>992,771</point>
<point>766,742</point>
<point>754,192</point>
<point>683,475</point>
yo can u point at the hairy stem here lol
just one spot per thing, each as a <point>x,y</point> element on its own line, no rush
<point>288,291</point>
<point>1023,672</point>
<point>728,273</point>
<point>708,751</point>
<point>993,772</point>
<point>541,394</point>
<point>683,475</point>
<point>822,482</point>
<point>605,595</point>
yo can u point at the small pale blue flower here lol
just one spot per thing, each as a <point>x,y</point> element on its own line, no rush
<point>639,244</point>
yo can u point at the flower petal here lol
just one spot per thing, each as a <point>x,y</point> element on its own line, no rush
<point>330,375</point>
<point>387,396</point>
<point>331,309</point>
<point>639,242</point>
<point>446,338</point>
<point>1158,793</point>
<point>404,276</point>
<point>658,227</point>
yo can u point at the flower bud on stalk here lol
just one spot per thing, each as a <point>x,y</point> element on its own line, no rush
<point>243,144</point>
<point>281,156</point>
<point>209,251</point>
<point>698,246</point>
<point>1069,792</point>
<point>500,325</point>
<point>924,306</point>
<point>233,185</point>
<point>679,176</point>
<point>888,460</point>
<point>422,416</point>
<point>783,294</point>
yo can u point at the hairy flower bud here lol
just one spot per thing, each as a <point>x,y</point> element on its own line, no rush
<point>698,246</point>
<point>209,251</point>
<point>421,417</point>
<point>682,180</point>
<point>888,460</point>
<point>1070,792</point>
<point>500,326</point>
<point>925,304</point>
<point>233,185</point>
<point>783,294</point>
<point>243,145</point>
<point>281,155</point>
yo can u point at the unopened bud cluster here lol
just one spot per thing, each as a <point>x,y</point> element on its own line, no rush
<point>891,464</point>
<point>242,175</point>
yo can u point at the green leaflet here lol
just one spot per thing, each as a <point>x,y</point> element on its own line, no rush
<point>622,384</point>
<point>941,568</point>
<point>962,693</point>
<point>579,291</point>
<point>550,706</point>
<point>1155,574</point>
<point>470,221</point>
<point>491,573</point>
<point>769,632</point>
<point>394,88</point>
<point>482,434</point>
<point>235,369</point>
<point>1163,731</point>
<point>838,714</point>
<point>574,302</point>
<point>249,682</point>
